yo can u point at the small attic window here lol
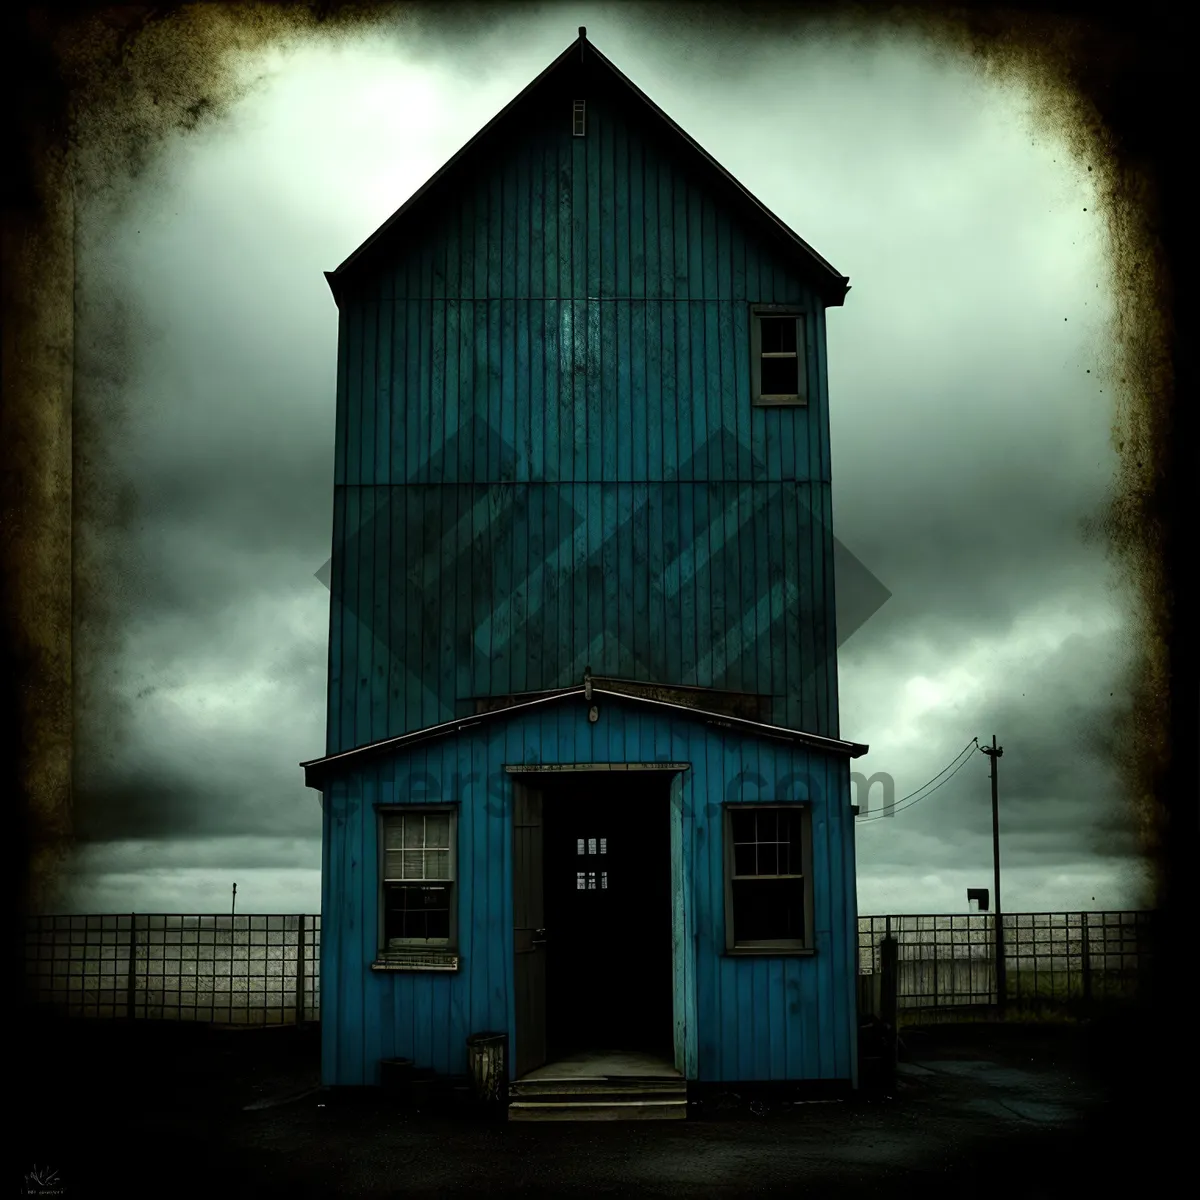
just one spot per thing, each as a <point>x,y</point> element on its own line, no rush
<point>578,115</point>
<point>777,355</point>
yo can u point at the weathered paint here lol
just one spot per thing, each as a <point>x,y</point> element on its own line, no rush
<point>743,1018</point>
<point>547,457</point>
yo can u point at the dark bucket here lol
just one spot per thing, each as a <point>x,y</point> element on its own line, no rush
<point>487,1065</point>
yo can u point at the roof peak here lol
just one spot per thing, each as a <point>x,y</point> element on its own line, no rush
<point>831,285</point>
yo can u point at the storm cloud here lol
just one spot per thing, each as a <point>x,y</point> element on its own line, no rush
<point>971,405</point>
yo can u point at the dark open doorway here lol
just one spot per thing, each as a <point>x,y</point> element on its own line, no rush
<point>607,888</point>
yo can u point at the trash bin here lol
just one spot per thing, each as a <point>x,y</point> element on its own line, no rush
<point>487,1059</point>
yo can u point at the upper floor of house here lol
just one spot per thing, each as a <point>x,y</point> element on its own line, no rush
<point>583,295</point>
<point>582,422</point>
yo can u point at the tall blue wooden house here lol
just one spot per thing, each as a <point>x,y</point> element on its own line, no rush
<point>584,783</point>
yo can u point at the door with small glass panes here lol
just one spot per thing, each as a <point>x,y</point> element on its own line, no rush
<point>607,873</point>
<point>580,887</point>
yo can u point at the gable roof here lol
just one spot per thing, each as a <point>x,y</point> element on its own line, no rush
<point>317,770</point>
<point>582,58</point>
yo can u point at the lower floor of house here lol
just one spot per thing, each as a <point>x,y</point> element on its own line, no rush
<point>681,912</point>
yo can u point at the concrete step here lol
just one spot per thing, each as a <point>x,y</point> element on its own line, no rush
<point>615,1097</point>
<point>578,1088</point>
<point>600,1109</point>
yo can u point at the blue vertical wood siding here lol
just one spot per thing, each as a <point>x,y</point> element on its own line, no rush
<point>769,1018</point>
<point>547,457</point>
<point>547,460</point>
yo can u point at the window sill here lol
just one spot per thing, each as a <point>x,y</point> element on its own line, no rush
<point>781,402</point>
<point>416,960</point>
<point>770,952</point>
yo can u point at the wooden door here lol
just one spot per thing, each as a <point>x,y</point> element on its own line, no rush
<point>529,968</point>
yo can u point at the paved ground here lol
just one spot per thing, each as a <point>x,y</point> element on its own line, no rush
<point>185,1111</point>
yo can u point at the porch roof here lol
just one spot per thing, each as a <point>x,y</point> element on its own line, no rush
<point>317,770</point>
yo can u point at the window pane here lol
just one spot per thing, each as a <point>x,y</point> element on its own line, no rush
<point>437,830</point>
<point>417,846</point>
<point>780,377</point>
<point>414,911</point>
<point>437,864</point>
<point>786,866</point>
<point>766,825</point>
<point>768,909</point>
<point>744,860</point>
<point>778,335</point>
<point>393,833</point>
<point>768,858</point>
<point>792,837</point>
<point>741,822</point>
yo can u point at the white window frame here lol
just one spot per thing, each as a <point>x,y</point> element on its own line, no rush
<point>801,945</point>
<point>800,315</point>
<point>387,814</point>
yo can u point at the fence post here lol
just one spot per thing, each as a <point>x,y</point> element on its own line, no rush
<point>1086,963</point>
<point>995,949</point>
<point>887,934</point>
<point>937,950</point>
<point>1001,966</point>
<point>131,981</point>
<point>888,1000</point>
<point>300,974</point>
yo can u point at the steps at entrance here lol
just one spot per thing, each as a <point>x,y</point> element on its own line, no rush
<point>599,1098</point>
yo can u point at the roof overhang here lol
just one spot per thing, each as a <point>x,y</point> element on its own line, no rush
<point>318,770</point>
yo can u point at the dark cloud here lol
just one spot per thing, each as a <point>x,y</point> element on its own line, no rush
<point>970,445</point>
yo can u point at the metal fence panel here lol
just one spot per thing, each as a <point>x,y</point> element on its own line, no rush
<point>238,970</point>
<point>1055,963</point>
<point>265,970</point>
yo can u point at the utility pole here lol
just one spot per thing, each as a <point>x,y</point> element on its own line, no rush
<point>994,752</point>
<point>233,910</point>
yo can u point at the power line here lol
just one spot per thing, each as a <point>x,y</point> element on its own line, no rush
<point>891,812</point>
<point>900,806</point>
<point>972,742</point>
<point>920,794</point>
<point>895,803</point>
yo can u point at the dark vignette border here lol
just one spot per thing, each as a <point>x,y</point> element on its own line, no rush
<point>1127,62</point>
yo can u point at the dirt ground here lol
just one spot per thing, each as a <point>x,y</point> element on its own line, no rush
<point>177,1110</point>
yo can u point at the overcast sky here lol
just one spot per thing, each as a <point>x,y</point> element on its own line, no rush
<point>970,418</point>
